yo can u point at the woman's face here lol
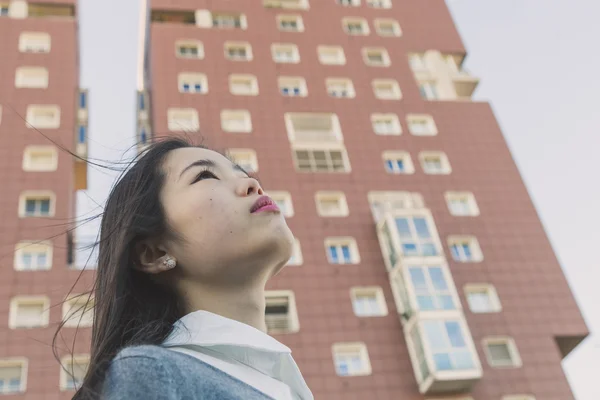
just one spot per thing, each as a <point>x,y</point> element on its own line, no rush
<point>208,202</point>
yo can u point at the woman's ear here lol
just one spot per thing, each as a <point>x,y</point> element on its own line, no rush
<point>151,258</point>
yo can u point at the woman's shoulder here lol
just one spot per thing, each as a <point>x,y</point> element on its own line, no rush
<point>148,351</point>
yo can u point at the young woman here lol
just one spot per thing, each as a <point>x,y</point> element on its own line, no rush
<point>188,241</point>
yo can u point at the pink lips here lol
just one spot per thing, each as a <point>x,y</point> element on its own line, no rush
<point>264,203</point>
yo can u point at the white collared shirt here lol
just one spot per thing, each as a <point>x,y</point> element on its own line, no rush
<point>241,351</point>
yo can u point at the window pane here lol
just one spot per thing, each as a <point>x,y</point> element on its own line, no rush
<point>446,302</point>
<point>422,229</point>
<point>437,278</point>
<point>455,334</point>
<point>425,303</point>
<point>463,360</point>
<point>403,227</point>
<point>435,335</point>
<point>30,206</point>
<point>333,254</point>
<point>45,206</point>
<point>500,352</point>
<point>346,253</point>
<point>442,361</point>
<point>418,278</point>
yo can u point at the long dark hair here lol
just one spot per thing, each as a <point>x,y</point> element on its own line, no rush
<point>130,308</point>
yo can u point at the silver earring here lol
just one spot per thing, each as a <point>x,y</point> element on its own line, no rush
<point>169,262</point>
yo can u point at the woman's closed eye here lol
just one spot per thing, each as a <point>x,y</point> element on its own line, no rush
<point>205,174</point>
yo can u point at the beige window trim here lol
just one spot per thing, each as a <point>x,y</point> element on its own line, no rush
<point>339,242</point>
<point>69,363</point>
<point>17,363</point>
<point>342,351</point>
<point>49,154</point>
<point>33,247</point>
<point>284,197</point>
<point>73,308</point>
<point>329,197</point>
<point>183,120</point>
<point>281,322</point>
<point>16,302</point>
<point>37,195</point>
<point>375,295</point>
<point>511,347</point>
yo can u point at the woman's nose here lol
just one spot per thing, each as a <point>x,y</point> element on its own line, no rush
<point>251,186</point>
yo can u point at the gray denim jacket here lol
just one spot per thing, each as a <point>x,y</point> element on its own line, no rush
<point>156,373</point>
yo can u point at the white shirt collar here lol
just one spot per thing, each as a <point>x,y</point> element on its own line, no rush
<point>241,342</point>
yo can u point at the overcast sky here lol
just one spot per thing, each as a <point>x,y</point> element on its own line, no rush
<point>539,64</point>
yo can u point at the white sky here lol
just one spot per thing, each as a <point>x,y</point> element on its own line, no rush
<point>539,63</point>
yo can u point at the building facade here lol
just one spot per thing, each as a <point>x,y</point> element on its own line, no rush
<point>43,117</point>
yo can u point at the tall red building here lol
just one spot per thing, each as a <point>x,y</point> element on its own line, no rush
<point>39,88</point>
<point>421,270</point>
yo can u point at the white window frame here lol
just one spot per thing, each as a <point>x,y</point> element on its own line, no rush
<point>77,312</point>
<point>357,349</point>
<point>384,4</point>
<point>284,197</point>
<point>422,120</point>
<point>276,296</point>
<point>30,151</point>
<point>428,89</point>
<point>324,53</point>
<point>396,93</point>
<point>16,362</point>
<point>175,126</point>
<point>340,242</point>
<point>236,115</point>
<point>246,158</point>
<point>44,301</point>
<point>347,21</point>
<point>516,361</point>
<point>288,18</point>
<point>192,79</point>
<point>468,208</point>
<point>385,57</point>
<point>31,77</point>
<point>38,42</point>
<point>402,280</point>
<point>293,82</point>
<point>227,46</point>
<point>37,247</point>
<point>246,80</point>
<point>474,248</point>
<point>396,30</point>
<point>390,155</point>
<point>327,149</point>
<point>316,136</point>
<point>291,4</point>
<point>67,363</point>
<point>337,86</point>
<point>445,167</point>
<point>340,197</point>
<point>417,62</point>
<point>367,310</point>
<point>280,48</point>
<point>348,3</point>
<point>388,119</point>
<point>221,20</point>
<point>53,123</point>
<point>492,297</point>
<point>37,195</point>
<point>190,43</point>
<point>296,258</point>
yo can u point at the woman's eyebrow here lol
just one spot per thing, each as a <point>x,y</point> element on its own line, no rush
<point>211,164</point>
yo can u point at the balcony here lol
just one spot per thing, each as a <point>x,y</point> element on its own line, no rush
<point>464,83</point>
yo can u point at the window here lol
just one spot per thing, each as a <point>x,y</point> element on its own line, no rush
<point>435,163</point>
<point>236,121</point>
<point>351,359</point>
<point>83,95</point>
<point>447,342</point>
<point>379,3</point>
<point>43,116</point>
<point>297,4</point>
<point>313,127</point>
<point>4,10</point>
<point>428,90</point>
<point>243,85</point>
<point>331,55</point>
<point>31,77</point>
<point>36,204</point>
<point>421,125</point>
<point>462,204</point>
<point>192,83</point>
<point>482,298</point>
<point>29,312</point>
<point>228,21</point>
<point>431,285</point>
<point>76,368</point>
<point>368,301</point>
<point>285,53</point>
<point>296,258</point>
<point>280,312</point>
<point>290,23</point>
<point>398,162</point>
<point>465,248</point>
<point>321,160</point>
<point>77,311</point>
<point>293,86</point>
<point>193,49</point>
<point>245,158</point>
<point>387,27</point>
<point>331,204</point>
<point>81,134</point>
<point>355,26</point>
<point>416,238</point>
<point>349,3</point>
<point>284,202</point>
<point>502,352</point>
<point>40,158</point>
<point>417,62</point>
<point>33,256</point>
<point>34,42</point>
<point>183,120</point>
<point>386,124</point>
<point>238,51</point>
<point>386,89</point>
<point>13,374</point>
<point>376,57</point>
<point>340,87</point>
<point>342,250</point>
